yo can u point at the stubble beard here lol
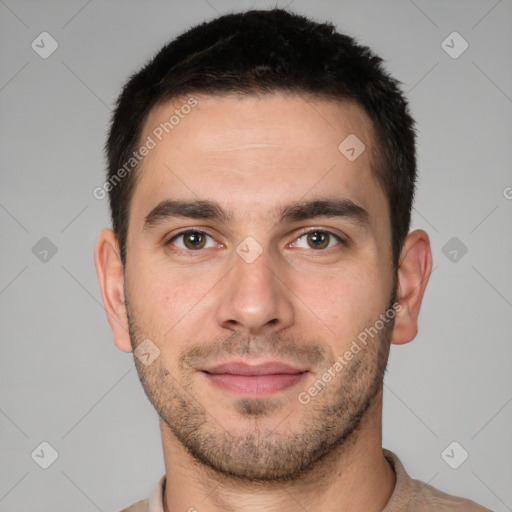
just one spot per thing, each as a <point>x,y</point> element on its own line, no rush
<point>254,450</point>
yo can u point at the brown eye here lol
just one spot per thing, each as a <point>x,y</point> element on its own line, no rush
<point>194,240</point>
<point>190,240</point>
<point>317,239</point>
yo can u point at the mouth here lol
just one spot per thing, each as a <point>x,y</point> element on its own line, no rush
<point>254,381</point>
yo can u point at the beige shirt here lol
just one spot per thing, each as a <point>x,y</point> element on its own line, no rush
<point>408,496</point>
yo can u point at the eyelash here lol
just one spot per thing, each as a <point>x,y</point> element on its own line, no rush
<point>341,241</point>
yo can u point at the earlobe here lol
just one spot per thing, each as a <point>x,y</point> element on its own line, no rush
<point>413,274</point>
<point>109,269</point>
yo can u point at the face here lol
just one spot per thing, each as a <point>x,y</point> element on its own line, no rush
<point>258,258</point>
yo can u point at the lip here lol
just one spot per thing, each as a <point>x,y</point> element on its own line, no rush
<point>254,381</point>
<point>242,368</point>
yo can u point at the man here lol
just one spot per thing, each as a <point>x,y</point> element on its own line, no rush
<point>261,179</point>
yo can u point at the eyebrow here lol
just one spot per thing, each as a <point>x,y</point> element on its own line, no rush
<point>296,211</point>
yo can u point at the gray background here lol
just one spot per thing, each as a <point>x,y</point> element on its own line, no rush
<point>62,379</point>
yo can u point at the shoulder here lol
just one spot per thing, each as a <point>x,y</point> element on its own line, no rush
<point>426,495</point>
<point>140,506</point>
<point>416,496</point>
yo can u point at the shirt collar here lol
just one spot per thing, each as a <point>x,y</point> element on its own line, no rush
<point>398,501</point>
<point>156,500</point>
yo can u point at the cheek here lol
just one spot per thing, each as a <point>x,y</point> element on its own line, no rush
<point>161,296</point>
<point>152,297</point>
<point>351,301</point>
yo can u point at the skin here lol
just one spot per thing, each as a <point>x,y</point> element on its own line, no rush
<point>294,302</point>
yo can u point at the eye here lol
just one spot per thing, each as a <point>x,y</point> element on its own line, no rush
<point>317,239</point>
<point>192,240</point>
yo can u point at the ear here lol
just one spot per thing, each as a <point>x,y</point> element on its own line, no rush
<point>414,271</point>
<point>109,269</point>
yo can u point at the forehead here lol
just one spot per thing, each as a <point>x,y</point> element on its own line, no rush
<point>257,150</point>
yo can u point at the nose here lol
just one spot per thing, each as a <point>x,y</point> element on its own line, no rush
<point>254,298</point>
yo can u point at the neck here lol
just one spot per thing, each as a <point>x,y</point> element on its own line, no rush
<point>356,476</point>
